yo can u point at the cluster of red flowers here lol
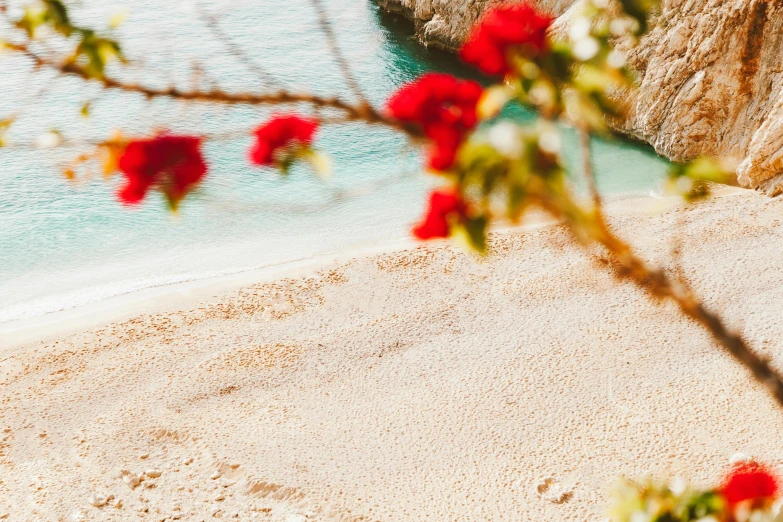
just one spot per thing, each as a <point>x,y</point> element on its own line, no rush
<point>503,31</point>
<point>172,164</point>
<point>750,481</point>
<point>445,109</point>
<point>279,136</point>
<point>445,208</point>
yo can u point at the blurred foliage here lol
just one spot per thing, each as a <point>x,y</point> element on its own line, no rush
<point>92,52</point>
<point>692,180</point>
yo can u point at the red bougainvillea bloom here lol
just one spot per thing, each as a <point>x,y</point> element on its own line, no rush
<point>750,481</point>
<point>445,208</point>
<point>172,164</point>
<point>444,107</point>
<point>505,29</point>
<point>279,133</point>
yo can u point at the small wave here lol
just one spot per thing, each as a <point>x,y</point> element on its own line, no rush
<point>93,294</point>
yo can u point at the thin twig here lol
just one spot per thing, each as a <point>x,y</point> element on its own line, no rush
<point>587,167</point>
<point>336,197</point>
<point>331,39</point>
<point>678,268</point>
<point>238,52</point>
<point>361,112</point>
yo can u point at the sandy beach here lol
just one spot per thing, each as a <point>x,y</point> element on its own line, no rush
<point>420,384</point>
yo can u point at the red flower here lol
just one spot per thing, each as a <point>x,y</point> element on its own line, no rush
<point>505,29</point>
<point>444,107</point>
<point>279,133</point>
<point>173,164</point>
<point>445,208</point>
<point>750,481</point>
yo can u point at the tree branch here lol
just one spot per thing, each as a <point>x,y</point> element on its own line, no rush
<point>656,283</point>
<point>362,112</point>
<point>212,24</point>
<point>587,167</point>
<point>345,69</point>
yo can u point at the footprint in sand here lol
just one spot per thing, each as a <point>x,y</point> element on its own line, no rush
<point>554,491</point>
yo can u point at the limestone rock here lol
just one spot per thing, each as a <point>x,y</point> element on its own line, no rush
<point>711,76</point>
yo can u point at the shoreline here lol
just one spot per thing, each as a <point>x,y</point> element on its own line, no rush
<point>172,297</point>
<point>180,296</point>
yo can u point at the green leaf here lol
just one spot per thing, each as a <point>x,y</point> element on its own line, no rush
<point>691,180</point>
<point>32,19</point>
<point>97,52</point>
<point>640,10</point>
<point>473,232</point>
<point>494,99</point>
<point>57,16</point>
<point>117,19</point>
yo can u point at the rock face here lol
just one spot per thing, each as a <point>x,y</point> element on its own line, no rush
<point>711,77</point>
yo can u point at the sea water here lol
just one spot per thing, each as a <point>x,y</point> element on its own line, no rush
<point>63,245</point>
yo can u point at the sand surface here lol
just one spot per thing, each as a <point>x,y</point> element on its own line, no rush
<point>407,386</point>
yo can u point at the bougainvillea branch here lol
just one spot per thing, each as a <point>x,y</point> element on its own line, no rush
<point>629,267</point>
<point>351,112</point>
<point>214,26</point>
<point>342,63</point>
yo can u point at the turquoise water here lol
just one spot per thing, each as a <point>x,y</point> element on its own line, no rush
<point>65,245</point>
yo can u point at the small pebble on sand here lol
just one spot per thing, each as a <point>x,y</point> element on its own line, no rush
<point>98,500</point>
<point>131,479</point>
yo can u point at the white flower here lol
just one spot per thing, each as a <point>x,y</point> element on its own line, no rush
<point>550,142</point>
<point>678,485</point>
<point>738,457</point>
<point>540,94</point>
<point>586,49</point>
<point>579,29</point>
<point>48,140</point>
<point>507,139</point>
<point>619,26</point>
<point>616,59</point>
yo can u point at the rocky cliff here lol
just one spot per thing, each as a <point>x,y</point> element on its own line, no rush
<point>711,77</point>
